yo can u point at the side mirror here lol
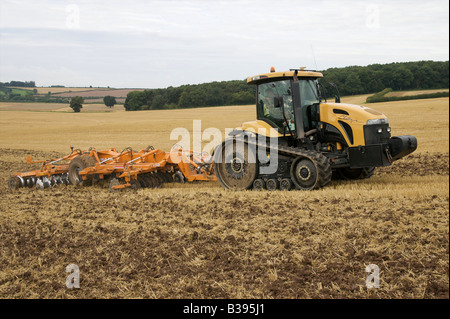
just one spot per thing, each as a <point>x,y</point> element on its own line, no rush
<point>337,99</point>
<point>278,101</point>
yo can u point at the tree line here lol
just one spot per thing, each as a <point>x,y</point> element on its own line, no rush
<point>26,84</point>
<point>397,76</point>
<point>207,94</point>
<point>350,80</point>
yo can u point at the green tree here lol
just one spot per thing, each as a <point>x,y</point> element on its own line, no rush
<point>353,84</point>
<point>109,101</point>
<point>241,98</point>
<point>402,78</point>
<point>76,103</point>
<point>134,100</point>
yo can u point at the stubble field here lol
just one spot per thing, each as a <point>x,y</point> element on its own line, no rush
<point>200,241</point>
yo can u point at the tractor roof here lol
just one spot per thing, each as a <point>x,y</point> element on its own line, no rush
<point>272,75</point>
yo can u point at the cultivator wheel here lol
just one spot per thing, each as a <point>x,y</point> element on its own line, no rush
<point>15,182</point>
<point>77,165</point>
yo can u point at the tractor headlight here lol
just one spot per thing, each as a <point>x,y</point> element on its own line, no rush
<point>377,121</point>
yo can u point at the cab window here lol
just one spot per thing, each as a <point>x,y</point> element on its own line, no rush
<point>267,110</point>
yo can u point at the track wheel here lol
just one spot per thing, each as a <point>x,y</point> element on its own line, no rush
<point>286,184</point>
<point>77,165</point>
<point>236,165</point>
<point>272,184</point>
<point>311,172</point>
<point>259,184</point>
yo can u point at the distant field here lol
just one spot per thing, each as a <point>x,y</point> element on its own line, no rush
<point>56,107</point>
<point>119,94</point>
<point>99,93</point>
<point>45,90</point>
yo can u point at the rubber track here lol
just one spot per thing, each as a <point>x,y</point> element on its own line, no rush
<point>321,161</point>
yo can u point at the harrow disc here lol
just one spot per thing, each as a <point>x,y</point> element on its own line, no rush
<point>161,178</point>
<point>157,180</point>
<point>65,179</point>
<point>39,184</point>
<point>152,183</point>
<point>135,184</point>
<point>143,181</point>
<point>113,182</point>
<point>178,177</point>
<point>167,177</point>
<point>30,181</point>
<point>46,182</point>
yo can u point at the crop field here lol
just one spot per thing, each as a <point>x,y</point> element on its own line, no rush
<point>408,93</point>
<point>201,241</point>
<point>98,93</point>
<point>57,90</point>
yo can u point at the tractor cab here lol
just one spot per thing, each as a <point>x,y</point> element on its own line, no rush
<point>287,101</point>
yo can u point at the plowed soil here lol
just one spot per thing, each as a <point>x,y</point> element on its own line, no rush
<point>200,241</point>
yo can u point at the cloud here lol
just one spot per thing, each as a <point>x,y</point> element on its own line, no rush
<point>161,43</point>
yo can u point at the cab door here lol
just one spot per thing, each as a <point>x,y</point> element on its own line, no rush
<point>268,111</point>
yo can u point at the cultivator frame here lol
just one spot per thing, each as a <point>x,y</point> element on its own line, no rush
<point>149,168</point>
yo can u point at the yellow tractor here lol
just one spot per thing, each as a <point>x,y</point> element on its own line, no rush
<point>309,140</point>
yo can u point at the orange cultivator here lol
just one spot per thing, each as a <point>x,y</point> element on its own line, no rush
<point>146,168</point>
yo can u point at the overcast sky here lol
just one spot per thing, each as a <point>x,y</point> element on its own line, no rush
<point>151,44</point>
